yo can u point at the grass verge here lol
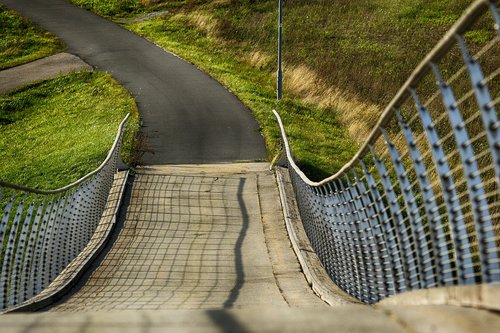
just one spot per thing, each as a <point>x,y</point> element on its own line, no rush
<point>344,60</point>
<point>315,134</point>
<point>21,41</point>
<point>46,128</point>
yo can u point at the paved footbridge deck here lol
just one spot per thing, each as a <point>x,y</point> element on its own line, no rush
<point>192,237</point>
<point>200,248</point>
<point>204,248</point>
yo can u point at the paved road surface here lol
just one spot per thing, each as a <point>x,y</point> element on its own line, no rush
<point>188,117</point>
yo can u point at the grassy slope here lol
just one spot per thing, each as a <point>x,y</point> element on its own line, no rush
<point>21,41</point>
<point>344,59</point>
<point>54,132</point>
<point>314,146</point>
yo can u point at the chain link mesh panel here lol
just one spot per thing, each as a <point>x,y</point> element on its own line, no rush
<point>418,205</point>
<point>42,231</point>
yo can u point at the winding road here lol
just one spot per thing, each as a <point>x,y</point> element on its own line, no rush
<point>187,116</point>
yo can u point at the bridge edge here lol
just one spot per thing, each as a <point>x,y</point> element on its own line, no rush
<point>72,273</point>
<point>315,274</point>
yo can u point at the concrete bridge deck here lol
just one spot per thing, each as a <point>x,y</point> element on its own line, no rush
<point>192,237</point>
<point>205,249</point>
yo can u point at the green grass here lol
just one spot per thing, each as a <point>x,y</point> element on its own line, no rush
<point>54,132</point>
<point>110,7</point>
<point>21,41</point>
<point>363,49</point>
<point>315,134</point>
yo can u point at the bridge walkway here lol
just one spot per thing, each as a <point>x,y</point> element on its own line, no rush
<point>205,249</point>
<point>192,237</point>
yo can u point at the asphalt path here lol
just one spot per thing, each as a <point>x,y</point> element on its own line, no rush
<point>187,116</point>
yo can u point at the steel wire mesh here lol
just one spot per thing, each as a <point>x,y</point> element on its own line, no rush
<point>418,205</point>
<point>41,232</point>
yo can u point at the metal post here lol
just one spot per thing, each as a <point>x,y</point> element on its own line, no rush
<point>280,73</point>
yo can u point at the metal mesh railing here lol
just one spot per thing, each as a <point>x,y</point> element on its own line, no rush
<point>42,231</point>
<point>418,205</point>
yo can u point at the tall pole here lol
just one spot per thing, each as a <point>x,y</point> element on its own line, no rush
<point>280,72</point>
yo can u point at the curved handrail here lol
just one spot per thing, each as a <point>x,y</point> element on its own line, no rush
<point>417,206</point>
<point>443,46</point>
<point>42,231</point>
<point>79,181</point>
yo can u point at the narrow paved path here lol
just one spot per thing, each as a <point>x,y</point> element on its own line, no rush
<point>41,69</point>
<point>192,237</point>
<point>188,117</point>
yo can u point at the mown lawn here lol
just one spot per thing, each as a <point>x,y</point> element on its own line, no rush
<point>21,41</point>
<point>56,131</point>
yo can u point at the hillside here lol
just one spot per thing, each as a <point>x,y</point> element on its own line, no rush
<point>344,60</point>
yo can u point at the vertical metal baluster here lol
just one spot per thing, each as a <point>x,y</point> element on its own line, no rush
<point>343,265</point>
<point>69,214</point>
<point>461,242</point>
<point>78,222</point>
<point>89,223</point>
<point>302,192</point>
<point>85,219</point>
<point>338,227</point>
<point>20,254</point>
<point>380,255</point>
<point>315,223</point>
<point>28,263</point>
<point>8,258</point>
<point>52,241</point>
<point>422,250</point>
<point>337,220</point>
<point>443,269</point>
<point>326,231</point>
<point>355,270</point>
<point>369,253</point>
<point>56,249</point>
<point>330,222</point>
<point>47,223</point>
<point>324,227</point>
<point>5,218</point>
<point>354,241</point>
<point>37,260</point>
<point>486,105</point>
<point>96,185</point>
<point>312,219</point>
<point>4,287</point>
<point>489,252</point>
<point>393,245</point>
<point>409,262</point>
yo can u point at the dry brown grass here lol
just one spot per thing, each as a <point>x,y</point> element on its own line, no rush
<point>257,59</point>
<point>356,115</point>
<point>205,23</point>
<point>149,2</point>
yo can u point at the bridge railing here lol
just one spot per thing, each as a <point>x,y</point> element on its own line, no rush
<point>42,231</point>
<point>418,206</point>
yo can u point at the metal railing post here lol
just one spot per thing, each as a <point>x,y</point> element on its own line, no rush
<point>279,82</point>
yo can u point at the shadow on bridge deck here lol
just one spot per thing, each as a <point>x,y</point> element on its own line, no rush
<point>204,249</point>
<point>190,239</point>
